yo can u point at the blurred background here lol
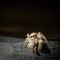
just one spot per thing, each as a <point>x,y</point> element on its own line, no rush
<point>18,19</point>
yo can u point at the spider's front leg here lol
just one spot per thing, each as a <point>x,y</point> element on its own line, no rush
<point>40,46</point>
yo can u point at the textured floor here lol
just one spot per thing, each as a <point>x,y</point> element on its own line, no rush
<point>13,49</point>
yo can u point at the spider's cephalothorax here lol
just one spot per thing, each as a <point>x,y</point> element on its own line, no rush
<point>34,41</point>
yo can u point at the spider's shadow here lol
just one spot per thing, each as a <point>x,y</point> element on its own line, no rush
<point>45,50</point>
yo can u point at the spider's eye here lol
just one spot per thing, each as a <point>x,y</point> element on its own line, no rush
<point>33,35</point>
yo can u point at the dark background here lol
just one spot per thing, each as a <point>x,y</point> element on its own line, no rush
<point>19,18</point>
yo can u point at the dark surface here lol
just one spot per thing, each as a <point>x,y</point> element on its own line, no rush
<point>13,49</point>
